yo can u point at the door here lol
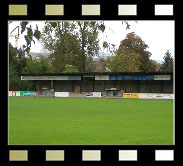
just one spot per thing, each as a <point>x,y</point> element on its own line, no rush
<point>77,88</point>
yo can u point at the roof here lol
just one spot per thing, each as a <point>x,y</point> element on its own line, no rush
<point>98,73</point>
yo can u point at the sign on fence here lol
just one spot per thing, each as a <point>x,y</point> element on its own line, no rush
<point>94,94</point>
<point>155,96</point>
<point>61,94</point>
<point>50,77</point>
<point>131,95</point>
<point>19,93</point>
<point>102,77</point>
<point>14,93</point>
<point>140,77</point>
<point>29,93</point>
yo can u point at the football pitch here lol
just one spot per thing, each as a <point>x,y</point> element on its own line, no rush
<point>89,121</point>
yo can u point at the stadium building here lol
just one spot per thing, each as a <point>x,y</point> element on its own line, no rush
<point>79,83</point>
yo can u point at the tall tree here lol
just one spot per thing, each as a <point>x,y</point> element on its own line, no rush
<point>31,34</point>
<point>134,45</point>
<point>89,42</point>
<point>17,63</point>
<point>168,62</point>
<point>59,38</point>
<point>71,42</point>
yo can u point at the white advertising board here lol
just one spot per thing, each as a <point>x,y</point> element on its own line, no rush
<point>50,77</point>
<point>17,93</point>
<point>10,93</point>
<point>94,94</point>
<point>14,93</point>
<point>162,77</point>
<point>102,77</point>
<point>155,96</point>
<point>88,76</point>
<point>74,77</point>
<point>61,94</point>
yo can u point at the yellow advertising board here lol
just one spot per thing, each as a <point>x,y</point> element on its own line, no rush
<point>131,95</point>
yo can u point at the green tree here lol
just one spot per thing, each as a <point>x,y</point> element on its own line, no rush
<point>17,58</point>
<point>35,66</point>
<point>79,37</point>
<point>12,54</point>
<point>70,69</point>
<point>89,42</point>
<point>63,44</point>
<point>14,79</point>
<point>17,63</point>
<point>123,62</point>
<point>31,34</point>
<point>71,42</point>
<point>168,62</point>
<point>38,66</point>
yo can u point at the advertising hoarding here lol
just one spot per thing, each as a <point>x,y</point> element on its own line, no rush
<point>131,95</point>
<point>29,93</point>
<point>102,77</point>
<point>61,94</point>
<point>94,94</point>
<point>155,96</point>
<point>50,77</point>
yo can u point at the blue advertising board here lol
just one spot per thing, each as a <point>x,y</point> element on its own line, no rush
<point>131,77</point>
<point>146,77</point>
<point>111,77</point>
<point>123,77</point>
<point>29,93</point>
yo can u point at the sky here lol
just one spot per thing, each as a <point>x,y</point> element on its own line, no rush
<point>158,35</point>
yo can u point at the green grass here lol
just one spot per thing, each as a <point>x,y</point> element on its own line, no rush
<point>88,121</point>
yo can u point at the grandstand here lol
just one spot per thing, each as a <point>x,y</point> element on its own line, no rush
<point>79,83</point>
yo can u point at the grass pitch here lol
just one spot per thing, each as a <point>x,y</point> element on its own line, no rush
<point>89,121</point>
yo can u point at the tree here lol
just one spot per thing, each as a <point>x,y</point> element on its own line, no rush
<point>170,65</point>
<point>12,54</point>
<point>38,66</point>
<point>89,42</point>
<point>33,34</point>
<point>168,62</point>
<point>156,65</point>
<point>14,79</point>
<point>83,39</point>
<point>135,47</point>
<point>70,69</point>
<point>17,58</point>
<point>17,62</point>
<point>71,42</point>
<point>123,62</point>
<point>63,44</point>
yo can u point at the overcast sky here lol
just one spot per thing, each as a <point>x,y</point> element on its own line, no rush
<point>158,35</point>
